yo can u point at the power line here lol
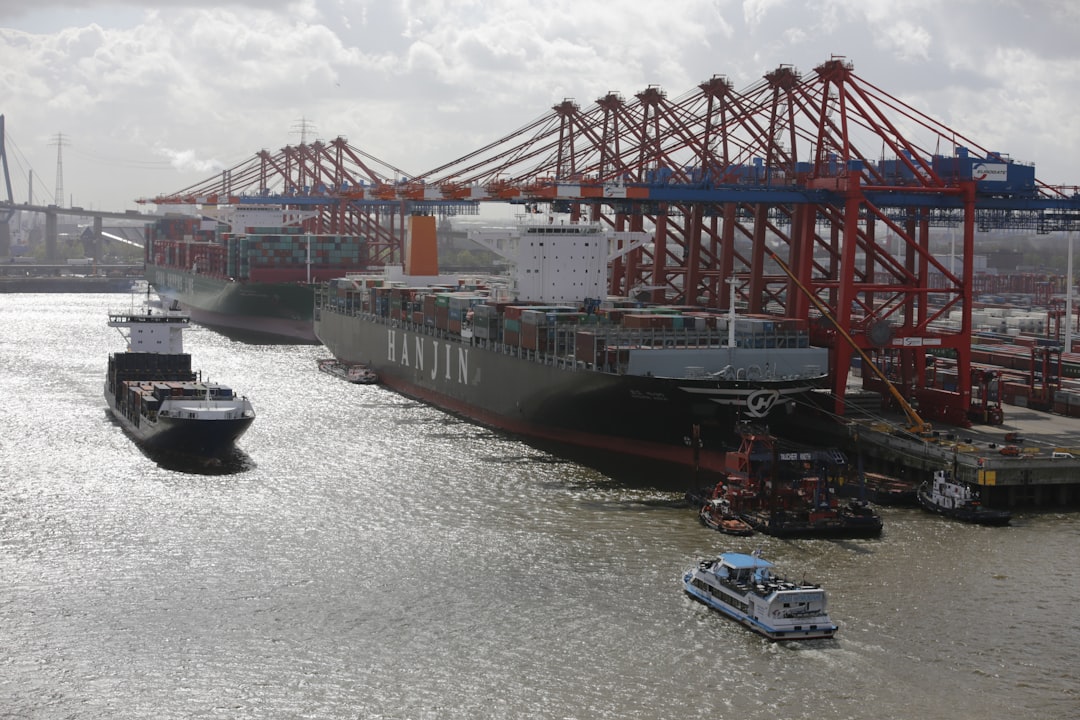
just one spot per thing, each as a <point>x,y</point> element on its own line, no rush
<point>121,162</point>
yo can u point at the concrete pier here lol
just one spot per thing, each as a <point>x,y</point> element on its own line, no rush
<point>1040,466</point>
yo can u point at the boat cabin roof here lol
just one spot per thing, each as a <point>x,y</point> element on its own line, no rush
<point>742,561</point>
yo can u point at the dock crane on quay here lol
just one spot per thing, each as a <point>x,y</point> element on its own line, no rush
<point>826,170</point>
<point>916,425</point>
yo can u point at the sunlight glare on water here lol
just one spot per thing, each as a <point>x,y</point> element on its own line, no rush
<point>365,555</point>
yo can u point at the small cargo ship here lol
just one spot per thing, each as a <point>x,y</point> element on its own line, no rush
<point>249,269</point>
<point>356,374</point>
<point>743,587</point>
<point>958,500</point>
<point>544,352</point>
<point>159,400</point>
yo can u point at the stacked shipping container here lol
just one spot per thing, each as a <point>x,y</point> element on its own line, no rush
<point>264,255</point>
<point>599,337</point>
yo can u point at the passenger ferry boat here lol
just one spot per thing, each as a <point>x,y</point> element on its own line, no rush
<point>744,588</point>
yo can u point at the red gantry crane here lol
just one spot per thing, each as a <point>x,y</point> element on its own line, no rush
<point>839,179</point>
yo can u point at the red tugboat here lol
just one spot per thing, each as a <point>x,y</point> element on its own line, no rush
<point>717,514</point>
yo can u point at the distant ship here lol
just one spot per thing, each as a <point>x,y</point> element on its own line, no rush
<point>67,284</point>
<point>157,398</point>
<point>249,269</point>
<point>544,354</point>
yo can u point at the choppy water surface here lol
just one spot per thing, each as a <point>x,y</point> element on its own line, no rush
<point>368,556</point>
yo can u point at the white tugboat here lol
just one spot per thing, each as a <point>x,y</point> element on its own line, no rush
<point>158,399</point>
<point>947,496</point>
<point>744,588</point>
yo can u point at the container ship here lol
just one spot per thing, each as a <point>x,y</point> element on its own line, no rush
<point>248,269</point>
<point>159,400</point>
<point>543,354</point>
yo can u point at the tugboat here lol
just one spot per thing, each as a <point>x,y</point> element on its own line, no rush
<point>744,588</point>
<point>159,400</point>
<point>356,374</point>
<point>945,496</point>
<point>717,514</point>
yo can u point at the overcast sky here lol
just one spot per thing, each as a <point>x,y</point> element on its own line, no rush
<point>151,96</point>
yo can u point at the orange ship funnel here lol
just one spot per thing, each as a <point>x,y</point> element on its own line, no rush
<point>421,248</point>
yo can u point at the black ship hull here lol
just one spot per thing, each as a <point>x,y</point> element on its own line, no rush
<point>555,399</point>
<point>196,438</point>
<point>792,526</point>
<point>276,310</point>
<point>159,402</point>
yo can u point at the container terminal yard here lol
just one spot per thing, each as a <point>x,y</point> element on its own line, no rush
<point>815,197</point>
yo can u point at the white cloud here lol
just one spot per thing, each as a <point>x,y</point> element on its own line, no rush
<point>422,82</point>
<point>756,11</point>
<point>187,161</point>
<point>906,41</point>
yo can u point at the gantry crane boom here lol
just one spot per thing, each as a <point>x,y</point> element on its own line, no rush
<point>916,424</point>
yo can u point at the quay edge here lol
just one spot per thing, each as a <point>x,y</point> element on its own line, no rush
<point>1040,476</point>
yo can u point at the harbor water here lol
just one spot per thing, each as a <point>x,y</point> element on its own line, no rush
<point>367,556</point>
